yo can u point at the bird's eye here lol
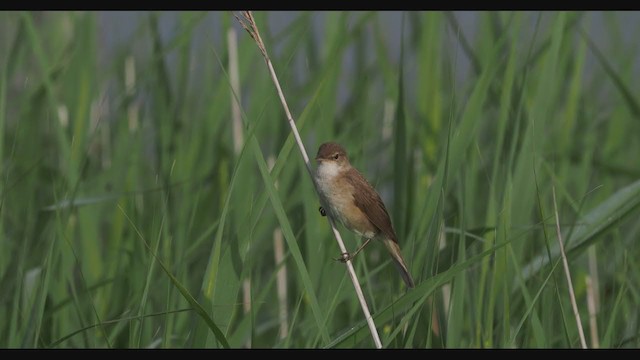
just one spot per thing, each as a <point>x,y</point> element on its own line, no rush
<point>336,156</point>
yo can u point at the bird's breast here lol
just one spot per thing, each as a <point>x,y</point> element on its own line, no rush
<point>338,194</point>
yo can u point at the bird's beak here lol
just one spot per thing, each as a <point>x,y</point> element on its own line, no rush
<point>319,159</point>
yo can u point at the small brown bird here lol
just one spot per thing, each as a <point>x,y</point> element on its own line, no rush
<point>355,203</point>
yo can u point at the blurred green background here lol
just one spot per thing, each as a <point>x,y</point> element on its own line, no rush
<point>141,209</point>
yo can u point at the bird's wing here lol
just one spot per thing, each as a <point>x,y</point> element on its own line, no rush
<point>371,204</point>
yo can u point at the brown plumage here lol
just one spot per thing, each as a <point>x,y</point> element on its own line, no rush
<point>355,203</point>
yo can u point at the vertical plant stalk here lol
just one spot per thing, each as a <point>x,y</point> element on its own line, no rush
<point>281,282</point>
<point>565,263</point>
<point>234,75</point>
<point>591,306</point>
<point>281,274</point>
<point>248,23</point>
<point>130,88</point>
<point>593,300</point>
<point>238,138</point>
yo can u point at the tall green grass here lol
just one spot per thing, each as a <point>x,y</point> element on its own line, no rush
<point>128,220</point>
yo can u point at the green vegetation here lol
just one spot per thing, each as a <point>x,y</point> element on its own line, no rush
<point>130,218</point>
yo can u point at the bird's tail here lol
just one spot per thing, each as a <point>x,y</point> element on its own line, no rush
<point>396,255</point>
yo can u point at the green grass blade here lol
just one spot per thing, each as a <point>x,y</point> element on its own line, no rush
<point>290,238</point>
<point>630,100</point>
<point>593,225</point>
<point>183,290</point>
<point>422,290</point>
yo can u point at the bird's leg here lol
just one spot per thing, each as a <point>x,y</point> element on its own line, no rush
<point>360,248</point>
<point>346,256</point>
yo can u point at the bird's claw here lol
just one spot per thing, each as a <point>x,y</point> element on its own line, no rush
<point>344,257</point>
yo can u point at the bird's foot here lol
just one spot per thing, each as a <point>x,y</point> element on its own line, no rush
<point>344,257</point>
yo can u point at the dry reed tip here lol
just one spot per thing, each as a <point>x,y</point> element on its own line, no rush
<point>248,22</point>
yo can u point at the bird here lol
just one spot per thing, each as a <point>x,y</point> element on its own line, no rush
<point>350,199</point>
